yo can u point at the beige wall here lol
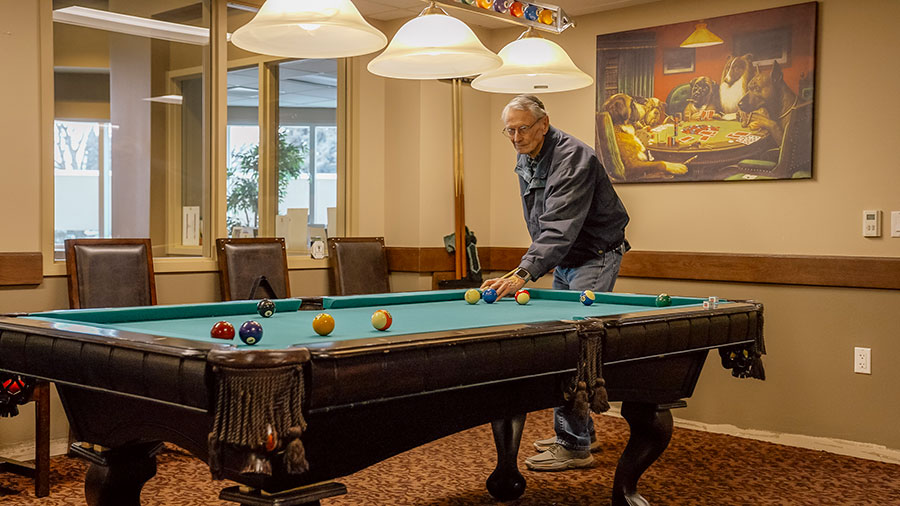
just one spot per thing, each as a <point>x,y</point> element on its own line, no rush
<point>403,179</point>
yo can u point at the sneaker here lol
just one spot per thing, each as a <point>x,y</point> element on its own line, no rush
<point>559,458</point>
<point>543,445</point>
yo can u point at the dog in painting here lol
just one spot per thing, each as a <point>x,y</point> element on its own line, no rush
<point>625,114</point>
<point>704,97</point>
<point>769,102</point>
<point>736,75</point>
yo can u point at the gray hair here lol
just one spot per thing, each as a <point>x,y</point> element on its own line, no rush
<point>528,103</point>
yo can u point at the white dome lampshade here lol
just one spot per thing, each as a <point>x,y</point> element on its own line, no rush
<point>434,46</point>
<point>309,29</point>
<point>532,64</point>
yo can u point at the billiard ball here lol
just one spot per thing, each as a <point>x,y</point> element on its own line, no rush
<point>663,299</point>
<point>489,295</point>
<point>522,296</point>
<point>323,324</point>
<point>587,297</point>
<point>265,308</point>
<point>381,319</point>
<point>251,332</point>
<point>473,296</point>
<point>222,330</point>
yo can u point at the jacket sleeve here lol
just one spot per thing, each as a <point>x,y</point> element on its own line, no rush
<point>567,200</point>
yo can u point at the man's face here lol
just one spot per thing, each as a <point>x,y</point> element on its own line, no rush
<point>530,141</point>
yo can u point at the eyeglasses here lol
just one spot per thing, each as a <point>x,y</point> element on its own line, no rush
<point>511,132</point>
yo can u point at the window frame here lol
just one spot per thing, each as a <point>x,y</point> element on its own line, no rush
<point>217,154</point>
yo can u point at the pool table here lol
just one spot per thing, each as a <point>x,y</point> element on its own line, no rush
<point>286,416</point>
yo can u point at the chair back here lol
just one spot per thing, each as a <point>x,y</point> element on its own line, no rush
<point>795,155</point>
<point>359,265</point>
<point>110,273</point>
<point>253,268</point>
<point>606,148</point>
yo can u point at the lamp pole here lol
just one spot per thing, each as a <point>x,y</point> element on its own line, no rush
<point>459,202</point>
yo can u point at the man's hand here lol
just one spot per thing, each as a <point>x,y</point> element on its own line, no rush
<point>504,286</point>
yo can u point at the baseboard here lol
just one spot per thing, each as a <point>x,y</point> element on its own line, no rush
<point>25,451</point>
<point>838,446</point>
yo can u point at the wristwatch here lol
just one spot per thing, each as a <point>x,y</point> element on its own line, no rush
<point>522,274</point>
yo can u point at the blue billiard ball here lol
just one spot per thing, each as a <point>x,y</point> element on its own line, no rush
<point>251,332</point>
<point>489,295</point>
<point>587,297</point>
<point>265,308</point>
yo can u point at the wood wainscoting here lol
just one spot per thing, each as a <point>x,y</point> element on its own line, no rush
<point>21,269</point>
<point>837,271</point>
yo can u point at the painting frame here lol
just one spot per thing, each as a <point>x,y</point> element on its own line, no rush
<point>678,60</point>
<point>695,116</point>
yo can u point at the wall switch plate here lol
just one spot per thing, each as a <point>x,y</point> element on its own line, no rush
<point>872,223</point>
<point>895,223</point>
<point>862,360</point>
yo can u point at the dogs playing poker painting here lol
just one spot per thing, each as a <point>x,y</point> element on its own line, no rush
<point>728,98</point>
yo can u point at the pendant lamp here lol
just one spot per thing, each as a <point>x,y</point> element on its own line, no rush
<point>701,37</point>
<point>309,29</point>
<point>533,64</point>
<point>434,46</point>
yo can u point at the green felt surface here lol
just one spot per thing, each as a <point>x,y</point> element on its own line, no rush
<point>414,312</point>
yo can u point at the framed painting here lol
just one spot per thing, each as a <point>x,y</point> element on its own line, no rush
<point>736,106</point>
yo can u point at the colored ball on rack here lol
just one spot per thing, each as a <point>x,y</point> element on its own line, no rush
<point>489,295</point>
<point>485,4</point>
<point>501,6</point>
<point>587,297</point>
<point>522,296</point>
<point>222,330</point>
<point>251,332</point>
<point>531,12</point>
<point>546,17</point>
<point>323,324</point>
<point>265,308</point>
<point>517,9</point>
<point>663,299</point>
<point>381,319</point>
<point>473,296</point>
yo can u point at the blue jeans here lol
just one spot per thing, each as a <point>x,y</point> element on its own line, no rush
<point>598,275</point>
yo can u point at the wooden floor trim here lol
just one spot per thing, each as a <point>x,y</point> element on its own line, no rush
<point>21,269</point>
<point>836,271</point>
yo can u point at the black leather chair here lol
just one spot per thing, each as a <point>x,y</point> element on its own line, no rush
<point>359,265</point>
<point>40,471</point>
<point>253,268</point>
<point>110,273</point>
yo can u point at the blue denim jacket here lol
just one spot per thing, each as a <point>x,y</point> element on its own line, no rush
<point>572,212</point>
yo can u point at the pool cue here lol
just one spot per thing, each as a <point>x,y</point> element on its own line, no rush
<point>691,159</point>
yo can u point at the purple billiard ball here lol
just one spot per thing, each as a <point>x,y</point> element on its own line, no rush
<point>251,332</point>
<point>489,295</point>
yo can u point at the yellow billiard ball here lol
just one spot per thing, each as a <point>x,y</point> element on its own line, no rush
<point>473,296</point>
<point>323,324</point>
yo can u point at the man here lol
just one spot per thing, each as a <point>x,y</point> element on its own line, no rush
<point>577,227</point>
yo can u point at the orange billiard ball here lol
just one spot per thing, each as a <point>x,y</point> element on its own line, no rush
<point>381,319</point>
<point>323,324</point>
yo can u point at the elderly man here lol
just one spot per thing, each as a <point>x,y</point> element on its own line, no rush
<point>577,227</point>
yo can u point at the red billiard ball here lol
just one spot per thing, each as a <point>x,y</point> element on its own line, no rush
<point>222,330</point>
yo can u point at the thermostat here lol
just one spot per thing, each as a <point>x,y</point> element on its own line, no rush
<point>871,223</point>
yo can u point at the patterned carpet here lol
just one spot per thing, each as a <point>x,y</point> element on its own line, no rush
<point>698,468</point>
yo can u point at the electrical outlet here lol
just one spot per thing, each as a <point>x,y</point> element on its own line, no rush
<point>862,360</point>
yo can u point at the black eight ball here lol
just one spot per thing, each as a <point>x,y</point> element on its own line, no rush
<point>265,308</point>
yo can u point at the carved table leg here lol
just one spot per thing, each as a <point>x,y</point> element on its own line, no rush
<point>651,430</point>
<point>116,476</point>
<point>506,482</point>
